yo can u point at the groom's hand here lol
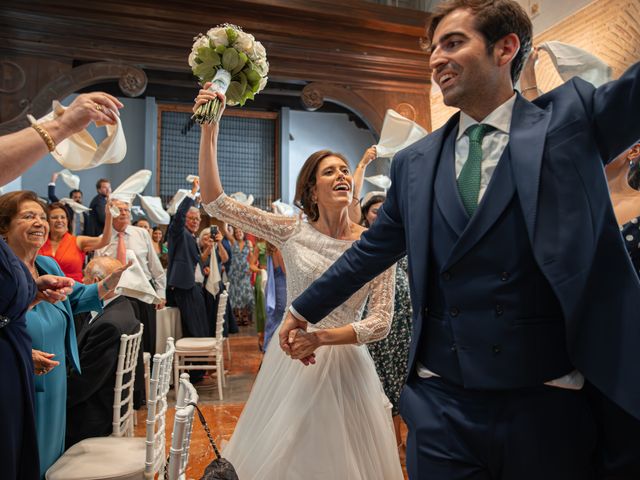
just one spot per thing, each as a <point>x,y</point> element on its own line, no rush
<point>288,331</point>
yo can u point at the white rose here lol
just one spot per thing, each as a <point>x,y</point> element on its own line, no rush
<point>262,84</point>
<point>245,42</point>
<point>258,51</point>
<point>192,59</point>
<point>262,66</point>
<point>219,36</point>
<point>200,42</point>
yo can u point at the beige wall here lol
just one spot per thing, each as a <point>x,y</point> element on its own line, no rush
<point>610,29</point>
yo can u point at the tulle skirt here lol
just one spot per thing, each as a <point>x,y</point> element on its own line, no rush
<point>325,421</point>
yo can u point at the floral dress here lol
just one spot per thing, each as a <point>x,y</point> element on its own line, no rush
<point>240,290</point>
<point>391,354</point>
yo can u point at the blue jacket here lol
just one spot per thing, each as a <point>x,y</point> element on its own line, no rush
<point>183,249</point>
<point>558,145</point>
<point>83,298</point>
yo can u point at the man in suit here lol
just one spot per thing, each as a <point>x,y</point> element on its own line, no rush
<point>97,206</point>
<point>77,223</point>
<point>184,275</point>
<point>520,283</point>
<point>90,394</point>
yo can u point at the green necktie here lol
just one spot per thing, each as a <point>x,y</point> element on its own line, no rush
<point>469,178</point>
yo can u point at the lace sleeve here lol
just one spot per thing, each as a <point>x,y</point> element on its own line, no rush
<point>376,325</point>
<point>276,229</point>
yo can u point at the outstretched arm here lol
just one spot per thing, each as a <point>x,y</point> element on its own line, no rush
<point>358,182</point>
<point>90,244</point>
<point>20,150</point>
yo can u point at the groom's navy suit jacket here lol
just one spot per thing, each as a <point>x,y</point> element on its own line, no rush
<point>557,146</point>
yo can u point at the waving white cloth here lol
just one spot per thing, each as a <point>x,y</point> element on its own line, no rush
<point>398,132</point>
<point>177,200</point>
<point>380,181</point>
<point>571,61</point>
<point>213,280</point>
<point>133,185</point>
<point>77,208</point>
<point>80,151</point>
<point>134,283</point>
<point>192,178</point>
<point>282,208</point>
<point>153,207</point>
<point>242,198</point>
<point>72,181</point>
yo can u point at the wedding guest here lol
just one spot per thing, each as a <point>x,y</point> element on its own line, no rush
<point>369,155</point>
<point>97,206</point>
<point>158,245</point>
<point>276,296</point>
<point>90,394</point>
<point>258,265</point>
<point>50,326</point>
<point>18,152</point>
<point>184,275</point>
<point>127,237</point>
<point>144,224</point>
<point>239,273</point>
<point>213,285</point>
<point>76,222</point>
<point>67,249</point>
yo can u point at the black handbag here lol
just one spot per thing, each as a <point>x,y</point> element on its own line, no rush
<point>219,468</point>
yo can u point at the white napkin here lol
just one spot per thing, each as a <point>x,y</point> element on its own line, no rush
<point>80,151</point>
<point>380,181</point>
<point>177,200</point>
<point>192,178</point>
<point>134,283</point>
<point>213,280</point>
<point>155,212</point>
<point>282,208</point>
<point>571,61</point>
<point>137,210</point>
<point>369,195</point>
<point>77,208</point>
<point>133,185</point>
<point>72,181</point>
<point>242,198</point>
<point>397,133</point>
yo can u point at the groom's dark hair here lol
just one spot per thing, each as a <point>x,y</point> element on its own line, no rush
<point>494,19</point>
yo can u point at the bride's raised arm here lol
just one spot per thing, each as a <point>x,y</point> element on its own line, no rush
<point>274,228</point>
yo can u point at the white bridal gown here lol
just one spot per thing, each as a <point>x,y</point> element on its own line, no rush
<point>325,421</point>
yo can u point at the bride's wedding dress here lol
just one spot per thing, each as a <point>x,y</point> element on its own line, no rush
<point>325,421</point>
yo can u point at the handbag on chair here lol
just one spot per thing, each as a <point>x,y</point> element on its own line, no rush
<point>219,468</point>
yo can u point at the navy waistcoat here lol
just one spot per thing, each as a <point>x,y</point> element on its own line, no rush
<point>493,321</point>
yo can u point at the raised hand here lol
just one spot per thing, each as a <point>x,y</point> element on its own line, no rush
<point>98,107</point>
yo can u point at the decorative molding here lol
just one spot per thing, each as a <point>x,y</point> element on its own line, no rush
<point>132,81</point>
<point>11,83</point>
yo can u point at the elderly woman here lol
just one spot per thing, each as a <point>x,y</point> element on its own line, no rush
<point>24,225</point>
<point>67,249</point>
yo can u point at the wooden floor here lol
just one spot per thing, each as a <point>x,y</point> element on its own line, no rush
<point>221,416</point>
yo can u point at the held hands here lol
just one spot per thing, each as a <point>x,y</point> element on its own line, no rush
<point>292,331</point>
<point>42,362</point>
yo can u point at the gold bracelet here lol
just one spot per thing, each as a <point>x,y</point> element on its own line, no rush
<point>528,88</point>
<point>51,145</point>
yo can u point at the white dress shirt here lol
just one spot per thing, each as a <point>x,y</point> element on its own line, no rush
<point>139,240</point>
<point>493,145</point>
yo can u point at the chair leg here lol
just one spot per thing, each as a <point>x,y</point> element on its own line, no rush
<point>228,349</point>
<point>221,367</point>
<point>176,371</point>
<point>219,371</point>
<point>147,380</point>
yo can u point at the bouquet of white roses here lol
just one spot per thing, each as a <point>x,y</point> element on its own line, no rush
<point>234,61</point>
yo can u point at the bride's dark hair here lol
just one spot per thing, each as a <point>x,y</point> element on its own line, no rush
<point>307,180</point>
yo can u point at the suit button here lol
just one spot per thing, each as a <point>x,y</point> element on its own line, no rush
<point>504,276</point>
<point>454,312</point>
<point>496,349</point>
<point>499,309</point>
<point>446,276</point>
<point>454,347</point>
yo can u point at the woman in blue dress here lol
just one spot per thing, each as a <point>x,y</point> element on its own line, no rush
<point>240,290</point>
<point>50,326</point>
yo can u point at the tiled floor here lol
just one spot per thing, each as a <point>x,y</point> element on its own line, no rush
<point>221,415</point>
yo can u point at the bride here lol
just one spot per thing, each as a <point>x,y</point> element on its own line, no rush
<point>331,419</point>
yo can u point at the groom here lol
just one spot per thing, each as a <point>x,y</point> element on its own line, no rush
<point>520,283</point>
